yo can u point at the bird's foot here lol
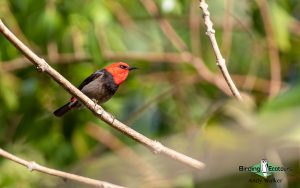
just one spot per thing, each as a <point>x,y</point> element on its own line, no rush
<point>112,118</point>
<point>95,101</point>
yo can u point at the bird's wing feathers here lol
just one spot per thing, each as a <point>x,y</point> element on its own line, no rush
<point>91,78</point>
<point>85,82</point>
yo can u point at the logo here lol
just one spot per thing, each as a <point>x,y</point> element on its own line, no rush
<point>264,168</point>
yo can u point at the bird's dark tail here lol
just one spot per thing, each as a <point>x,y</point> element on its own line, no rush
<point>62,110</point>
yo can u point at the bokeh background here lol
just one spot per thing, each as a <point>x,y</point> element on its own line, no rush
<point>177,96</point>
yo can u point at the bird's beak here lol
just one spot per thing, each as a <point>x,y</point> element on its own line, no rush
<point>132,68</point>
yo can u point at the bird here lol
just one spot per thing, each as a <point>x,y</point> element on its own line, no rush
<point>99,86</point>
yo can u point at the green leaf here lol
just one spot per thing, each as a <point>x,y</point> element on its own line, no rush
<point>281,21</point>
<point>8,90</point>
<point>80,144</point>
<point>287,99</point>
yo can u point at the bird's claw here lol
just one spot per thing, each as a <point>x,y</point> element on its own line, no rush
<point>113,118</point>
<point>95,101</point>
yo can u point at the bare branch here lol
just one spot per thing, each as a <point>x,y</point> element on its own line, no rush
<point>42,65</point>
<point>31,165</point>
<point>210,32</point>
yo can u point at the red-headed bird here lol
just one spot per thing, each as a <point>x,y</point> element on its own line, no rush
<point>99,86</point>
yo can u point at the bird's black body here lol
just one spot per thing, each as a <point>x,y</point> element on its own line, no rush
<point>99,86</point>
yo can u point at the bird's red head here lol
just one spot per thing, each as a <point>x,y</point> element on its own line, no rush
<point>119,71</point>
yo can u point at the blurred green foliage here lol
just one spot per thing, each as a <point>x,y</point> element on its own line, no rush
<point>160,100</point>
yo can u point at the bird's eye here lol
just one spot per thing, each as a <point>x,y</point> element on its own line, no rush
<point>123,67</point>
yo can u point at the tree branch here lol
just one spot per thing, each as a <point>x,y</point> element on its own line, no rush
<point>210,32</point>
<point>42,66</point>
<point>31,165</point>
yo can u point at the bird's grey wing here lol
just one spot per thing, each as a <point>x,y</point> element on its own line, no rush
<point>91,78</point>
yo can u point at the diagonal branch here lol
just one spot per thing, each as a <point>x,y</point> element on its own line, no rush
<point>210,32</point>
<point>34,166</point>
<point>43,66</point>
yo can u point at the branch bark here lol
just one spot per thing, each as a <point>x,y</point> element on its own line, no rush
<point>210,32</point>
<point>43,66</point>
<point>31,165</point>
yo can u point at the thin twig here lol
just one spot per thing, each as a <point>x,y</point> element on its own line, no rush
<point>42,65</point>
<point>210,32</point>
<point>31,165</point>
